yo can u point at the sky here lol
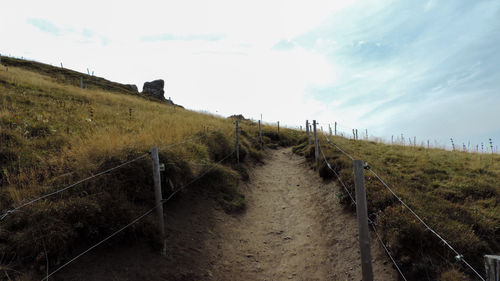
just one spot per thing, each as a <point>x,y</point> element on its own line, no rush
<point>424,69</point>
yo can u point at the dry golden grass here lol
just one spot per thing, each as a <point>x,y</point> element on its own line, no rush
<point>53,134</point>
<point>456,193</point>
<point>92,125</point>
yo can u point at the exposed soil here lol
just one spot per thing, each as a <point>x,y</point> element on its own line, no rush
<point>293,228</point>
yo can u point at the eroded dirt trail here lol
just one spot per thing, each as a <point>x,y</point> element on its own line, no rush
<point>278,237</point>
<point>294,228</point>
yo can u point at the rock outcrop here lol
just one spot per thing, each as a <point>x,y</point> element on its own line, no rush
<point>154,89</point>
<point>132,88</point>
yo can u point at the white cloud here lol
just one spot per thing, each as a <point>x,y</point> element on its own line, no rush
<point>374,60</point>
<point>238,72</point>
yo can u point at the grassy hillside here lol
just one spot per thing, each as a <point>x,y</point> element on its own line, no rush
<point>68,76</point>
<point>456,194</point>
<point>52,134</point>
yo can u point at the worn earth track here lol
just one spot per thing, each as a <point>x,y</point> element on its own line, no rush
<point>294,228</point>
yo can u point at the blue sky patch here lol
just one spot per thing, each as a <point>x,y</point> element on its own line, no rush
<point>45,26</point>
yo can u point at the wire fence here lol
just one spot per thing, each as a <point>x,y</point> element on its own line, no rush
<point>138,218</point>
<point>372,223</point>
<point>206,168</point>
<point>212,166</point>
<point>486,146</point>
<point>70,186</point>
<point>3,216</point>
<point>338,177</point>
<point>458,256</point>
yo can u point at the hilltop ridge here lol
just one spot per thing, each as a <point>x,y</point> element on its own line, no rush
<point>80,79</point>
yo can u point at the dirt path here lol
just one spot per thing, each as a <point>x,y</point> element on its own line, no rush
<point>294,228</point>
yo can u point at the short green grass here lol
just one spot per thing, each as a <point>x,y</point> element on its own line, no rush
<point>456,194</point>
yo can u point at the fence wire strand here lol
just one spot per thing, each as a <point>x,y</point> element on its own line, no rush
<point>338,176</point>
<point>201,175</point>
<point>138,218</point>
<point>3,216</point>
<point>372,223</point>
<point>458,255</point>
<point>102,241</point>
<point>340,149</point>
<point>70,186</point>
<point>387,250</point>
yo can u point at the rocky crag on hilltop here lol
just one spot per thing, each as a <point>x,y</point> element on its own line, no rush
<point>132,88</point>
<point>154,89</point>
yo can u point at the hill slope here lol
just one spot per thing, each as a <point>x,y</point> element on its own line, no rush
<point>455,193</point>
<point>53,134</point>
<point>68,76</point>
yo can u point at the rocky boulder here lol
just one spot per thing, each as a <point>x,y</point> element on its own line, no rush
<point>132,88</point>
<point>154,89</point>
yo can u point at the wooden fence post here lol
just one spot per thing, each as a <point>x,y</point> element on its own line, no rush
<point>316,147</point>
<point>260,134</point>
<point>330,129</point>
<point>308,133</point>
<point>492,266</point>
<point>278,129</point>
<point>335,127</point>
<point>362,213</point>
<point>236,129</point>
<point>158,198</point>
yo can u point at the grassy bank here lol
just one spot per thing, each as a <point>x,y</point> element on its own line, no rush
<point>52,134</point>
<point>455,193</point>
